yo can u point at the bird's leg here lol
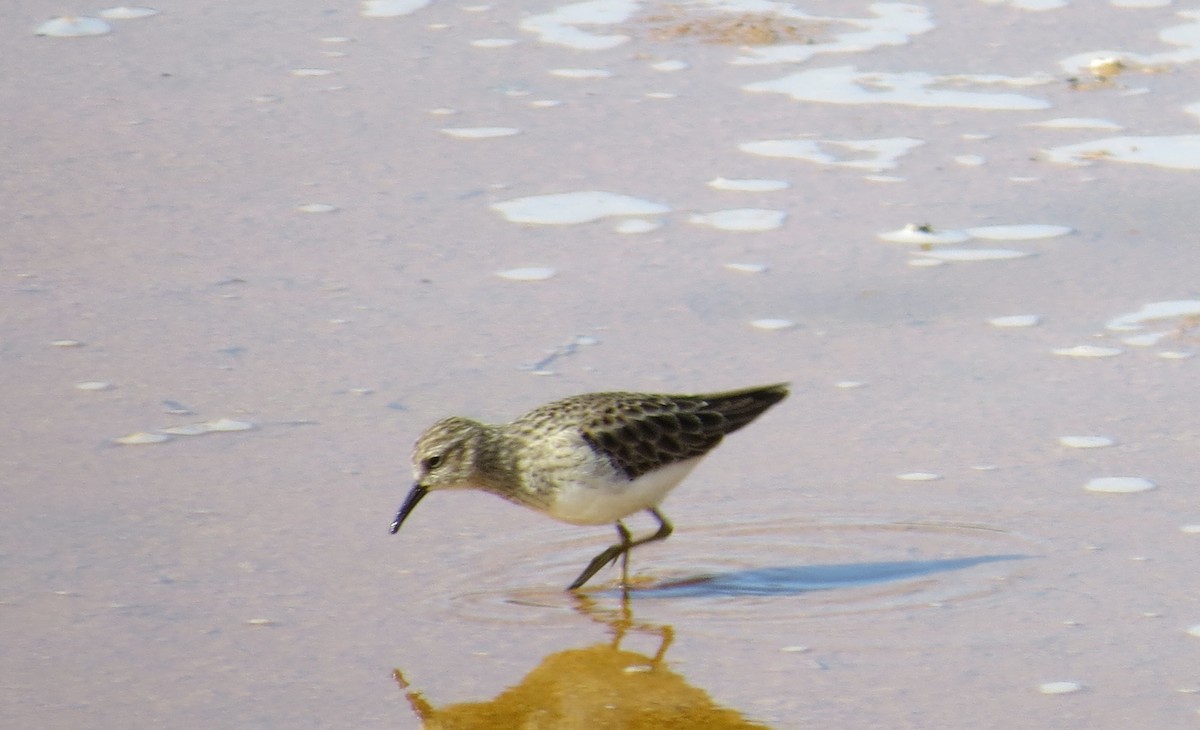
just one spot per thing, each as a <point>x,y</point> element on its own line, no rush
<point>626,543</point>
<point>664,529</point>
<point>621,550</point>
<point>607,557</point>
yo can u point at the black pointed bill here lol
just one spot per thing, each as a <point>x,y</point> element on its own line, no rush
<point>410,501</point>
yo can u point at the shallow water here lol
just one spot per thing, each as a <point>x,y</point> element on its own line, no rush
<point>332,225</point>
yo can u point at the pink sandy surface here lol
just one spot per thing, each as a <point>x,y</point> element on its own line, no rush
<point>149,188</point>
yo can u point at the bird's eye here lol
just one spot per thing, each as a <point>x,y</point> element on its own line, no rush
<point>433,462</point>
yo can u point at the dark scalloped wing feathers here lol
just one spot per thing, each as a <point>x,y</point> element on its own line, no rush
<point>640,433</point>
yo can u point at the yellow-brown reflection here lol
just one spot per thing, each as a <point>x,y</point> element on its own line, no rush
<point>597,688</point>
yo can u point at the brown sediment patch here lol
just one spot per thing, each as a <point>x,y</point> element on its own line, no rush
<point>1188,328</point>
<point>674,23</point>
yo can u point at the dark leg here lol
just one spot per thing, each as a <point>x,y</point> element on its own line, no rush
<point>605,558</point>
<point>621,550</point>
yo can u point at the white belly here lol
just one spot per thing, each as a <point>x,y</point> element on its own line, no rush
<point>599,501</point>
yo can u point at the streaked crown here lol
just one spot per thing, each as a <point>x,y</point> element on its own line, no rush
<point>445,455</point>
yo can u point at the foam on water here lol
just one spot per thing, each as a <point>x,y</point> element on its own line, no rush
<point>581,73</point>
<point>919,476</point>
<point>891,24</point>
<point>1179,152</point>
<point>924,235</point>
<point>1016,320</point>
<point>480,132</point>
<point>973,254</point>
<point>561,26</point>
<point>1085,442</point>
<point>390,8</point>
<point>125,12</point>
<point>1078,123</point>
<point>741,219</point>
<point>1060,688</point>
<point>73,26</point>
<point>1154,311</point>
<point>749,186</point>
<point>1019,232</point>
<point>863,154</point>
<point>848,85</point>
<point>1087,351</point>
<point>1119,485</point>
<point>772,324</point>
<point>572,208</point>
<point>527,273</point>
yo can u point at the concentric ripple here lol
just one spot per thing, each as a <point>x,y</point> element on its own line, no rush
<point>772,570</point>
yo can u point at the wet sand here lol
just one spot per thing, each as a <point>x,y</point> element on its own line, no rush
<point>214,232</point>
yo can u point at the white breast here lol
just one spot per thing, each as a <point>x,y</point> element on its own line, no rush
<point>600,500</point>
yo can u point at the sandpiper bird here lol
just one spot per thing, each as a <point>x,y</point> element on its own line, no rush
<point>589,459</point>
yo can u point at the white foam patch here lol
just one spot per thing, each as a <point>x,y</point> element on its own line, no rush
<point>747,268</point>
<point>561,26</point>
<point>1037,5</point>
<point>749,186</point>
<point>390,8</point>
<point>669,66</point>
<point>891,24</point>
<point>571,208</point>
<point>316,208</point>
<point>741,219</point>
<point>637,225</point>
<point>480,132</point>
<point>971,160</point>
<point>1059,688</point>
<point>1119,485</point>
<point>919,476</point>
<point>847,85</point>
<point>581,73</point>
<point>527,273</point>
<point>973,254</point>
<point>772,324</point>
<point>1020,232</point>
<point>139,438</point>
<point>94,385</point>
<point>1186,37</point>
<point>73,26</point>
<point>1078,123</point>
<point>1086,442</point>
<point>494,42</point>
<point>1180,152</point>
<point>1016,320</point>
<point>220,425</point>
<point>125,12</point>
<point>1154,311</point>
<point>1149,339</point>
<point>1087,351</point>
<point>866,154</point>
<point>924,235</point>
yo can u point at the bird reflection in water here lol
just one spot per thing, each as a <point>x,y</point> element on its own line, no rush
<point>599,687</point>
